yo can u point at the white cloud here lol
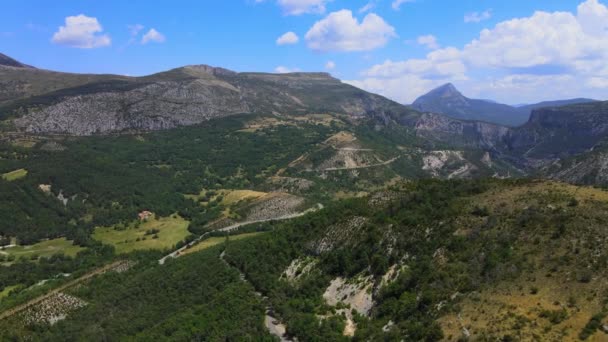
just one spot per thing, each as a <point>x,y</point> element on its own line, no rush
<point>330,65</point>
<point>340,31</point>
<point>288,38</point>
<point>543,56</point>
<point>368,7</point>
<point>298,7</point>
<point>476,17</point>
<point>81,32</point>
<point>285,70</point>
<point>397,4</point>
<point>153,36</point>
<point>135,29</point>
<point>429,41</point>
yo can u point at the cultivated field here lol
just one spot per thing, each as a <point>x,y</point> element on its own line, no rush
<point>162,233</point>
<point>14,175</point>
<point>42,249</point>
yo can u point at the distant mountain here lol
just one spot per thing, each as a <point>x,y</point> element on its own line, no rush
<point>558,103</point>
<point>7,61</point>
<point>449,101</point>
<point>561,132</point>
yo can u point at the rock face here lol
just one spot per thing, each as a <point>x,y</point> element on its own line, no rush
<point>561,131</point>
<point>461,133</point>
<point>155,106</point>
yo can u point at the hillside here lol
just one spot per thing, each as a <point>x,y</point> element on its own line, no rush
<point>425,260</point>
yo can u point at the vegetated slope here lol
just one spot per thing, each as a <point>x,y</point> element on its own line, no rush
<point>102,181</point>
<point>439,260</point>
<point>449,101</point>
<point>194,298</point>
<point>18,81</point>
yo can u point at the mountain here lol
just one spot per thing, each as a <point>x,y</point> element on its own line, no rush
<point>558,132</point>
<point>449,101</point>
<point>558,103</point>
<point>60,103</point>
<point>46,102</point>
<point>9,62</point>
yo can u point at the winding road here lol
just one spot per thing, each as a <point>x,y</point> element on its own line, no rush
<point>179,251</point>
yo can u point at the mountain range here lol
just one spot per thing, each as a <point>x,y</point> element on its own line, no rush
<point>447,100</point>
<point>36,101</point>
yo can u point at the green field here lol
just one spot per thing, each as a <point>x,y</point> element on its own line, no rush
<point>14,175</point>
<point>171,230</point>
<point>7,290</point>
<point>214,241</point>
<point>43,249</point>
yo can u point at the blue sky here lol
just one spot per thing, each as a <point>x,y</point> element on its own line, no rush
<point>526,51</point>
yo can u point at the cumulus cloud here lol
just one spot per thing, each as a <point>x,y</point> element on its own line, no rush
<point>81,32</point>
<point>285,70</point>
<point>397,4</point>
<point>476,17</point>
<point>330,65</point>
<point>153,36</point>
<point>429,41</point>
<point>340,31</point>
<point>288,38</point>
<point>543,56</point>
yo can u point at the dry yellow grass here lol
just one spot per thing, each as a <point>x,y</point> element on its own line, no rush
<point>230,197</point>
<point>514,307</point>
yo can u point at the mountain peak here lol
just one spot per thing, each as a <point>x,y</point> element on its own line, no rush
<point>447,89</point>
<point>10,62</point>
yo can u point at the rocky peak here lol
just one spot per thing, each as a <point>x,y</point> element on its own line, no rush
<point>446,90</point>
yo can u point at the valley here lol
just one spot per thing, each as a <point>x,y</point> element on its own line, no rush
<point>205,204</point>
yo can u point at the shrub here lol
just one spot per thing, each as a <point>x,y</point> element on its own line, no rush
<point>592,326</point>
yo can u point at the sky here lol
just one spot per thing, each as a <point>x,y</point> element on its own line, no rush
<point>517,51</point>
